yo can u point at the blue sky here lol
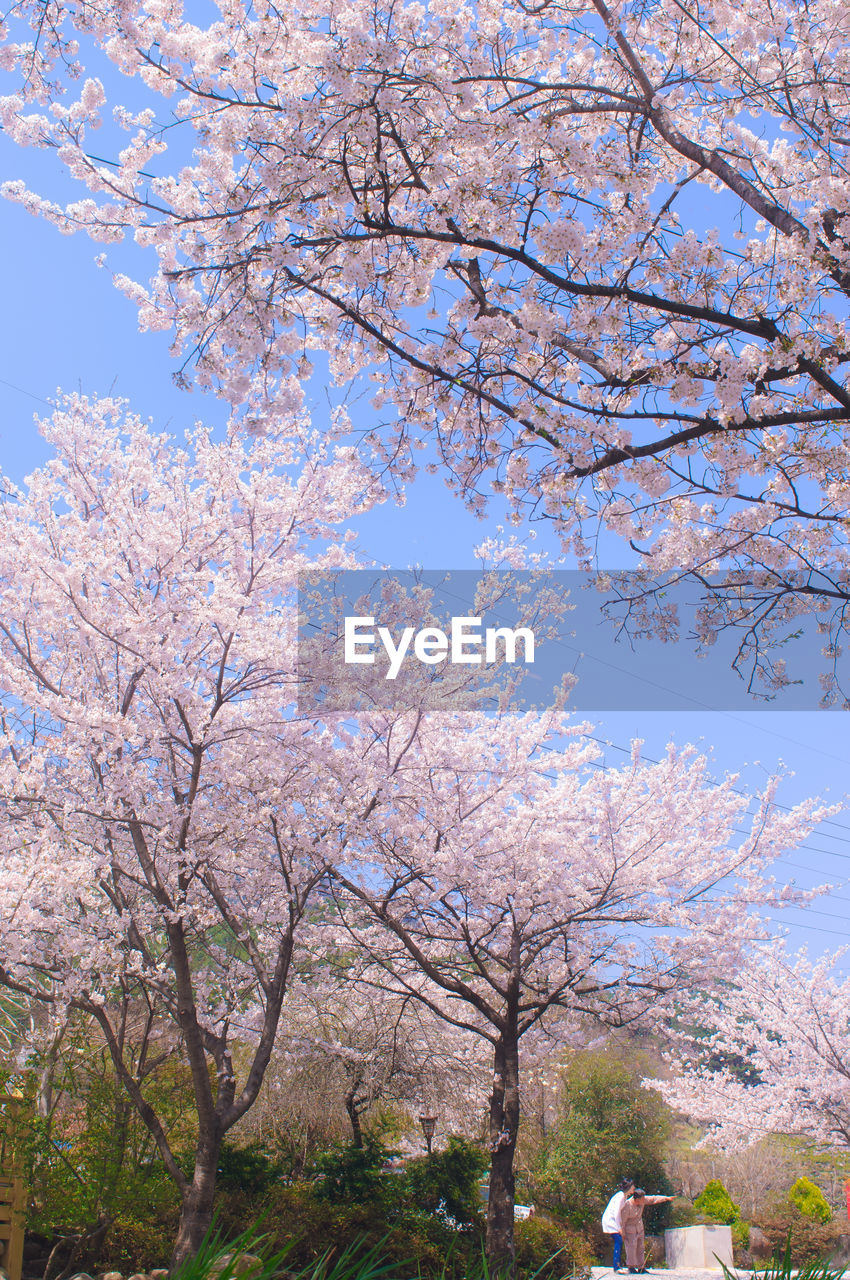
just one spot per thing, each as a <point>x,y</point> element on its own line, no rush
<point>65,327</point>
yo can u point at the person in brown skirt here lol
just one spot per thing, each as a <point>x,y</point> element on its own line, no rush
<point>631,1219</point>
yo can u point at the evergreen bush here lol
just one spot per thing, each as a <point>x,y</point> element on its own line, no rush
<point>810,1200</point>
<point>715,1202</point>
<point>249,1168</point>
<point>447,1181</point>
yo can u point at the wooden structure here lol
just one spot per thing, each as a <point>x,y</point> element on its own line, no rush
<point>12,1203</point>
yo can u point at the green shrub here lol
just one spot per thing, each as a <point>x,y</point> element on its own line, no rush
<point>807,1238</point>
<point>93,1161</point>
<point>810,1200</point>
<point>352,1174</point>
<point>133,1246</point>
<point>715,1202</point>
<point>416,1212</point>
<point>549,1250</point>
<point>407,1234</point>
<point>248,1168</point>
<point>447,1182</point>
<point>740,1235</point>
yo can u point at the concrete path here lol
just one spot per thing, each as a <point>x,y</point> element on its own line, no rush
<point>605,1273</point>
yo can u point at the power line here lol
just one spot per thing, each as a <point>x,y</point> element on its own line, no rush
<point>813,928</point>
<point>810,848</point>
<point>787,808</point>
<point>31,394</point>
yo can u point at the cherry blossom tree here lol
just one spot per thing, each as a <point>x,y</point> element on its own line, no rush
<point>351,1051</point>
<point>786,1070</point>
<point>169,816</point>
<point>596,251</point>
<point>164,825</point>
<point>522,893</point>
<point>359,1047</point>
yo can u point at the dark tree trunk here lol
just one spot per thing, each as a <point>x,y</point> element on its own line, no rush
<point>198,1201</point>
<point>504,1124</point>
<point>354,1117</point>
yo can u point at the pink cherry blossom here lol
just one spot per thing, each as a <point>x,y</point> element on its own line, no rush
<point>597,253</point>
<point>791,1062</point>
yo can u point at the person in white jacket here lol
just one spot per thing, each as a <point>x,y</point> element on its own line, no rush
<point>611,1224</point>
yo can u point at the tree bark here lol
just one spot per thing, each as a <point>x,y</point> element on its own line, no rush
<point>198,1198</point>
<point>504,1124</point>
<point>354,1117</point>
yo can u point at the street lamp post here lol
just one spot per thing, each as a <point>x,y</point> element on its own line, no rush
<point>429,1124</point>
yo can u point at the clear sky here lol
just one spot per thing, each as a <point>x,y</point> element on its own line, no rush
<point>65,327</point>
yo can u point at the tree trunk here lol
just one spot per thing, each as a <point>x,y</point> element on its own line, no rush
<point>45,1099</point>
<point>504,1123</point>
<point>198,1201</point>
<point>354,1117</point>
